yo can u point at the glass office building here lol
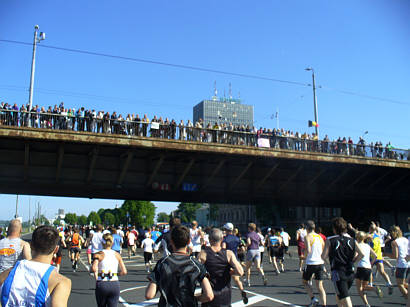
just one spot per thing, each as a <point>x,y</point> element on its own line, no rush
<point>224,111</point>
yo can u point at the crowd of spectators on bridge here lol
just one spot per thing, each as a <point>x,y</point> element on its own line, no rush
<point>89,120</point>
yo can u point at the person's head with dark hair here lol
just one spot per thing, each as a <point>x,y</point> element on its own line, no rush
<point>175,221</point>
<point>310,226</point>
<point>339,225</point>
<point>282,229</point>
<point>372,227</point>
<point>302,226</point>
<point>76,230</point>
<point>180,236</point>
<point>44,240</point>
<point>377,223</point>
<point>319,229</point>
<point>113,230</point>
<point>100,227</point>
<point>258,230</point>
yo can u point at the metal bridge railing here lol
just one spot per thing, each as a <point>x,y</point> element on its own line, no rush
<point>190,133</point>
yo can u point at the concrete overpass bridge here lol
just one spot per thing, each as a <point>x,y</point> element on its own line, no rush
<point>80,164</point>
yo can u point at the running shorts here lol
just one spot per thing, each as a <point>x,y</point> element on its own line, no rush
<point>314,269</point>
<point>75,249</point>
<point>363,274</point>
<point>342,282</point>
<point>378,261</point>
<point>402,273</point>
<point>253,255</point>
<point>147,257</point>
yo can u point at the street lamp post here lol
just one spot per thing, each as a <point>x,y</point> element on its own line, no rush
<point>314,100</point>
<point>37,38</point>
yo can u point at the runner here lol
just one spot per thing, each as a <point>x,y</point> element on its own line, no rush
<point>376,245</point>
<point>176,275</point>
<point>241,248</point>
<point>219,264</point>
<point>105,268</point>
<point>76,241</point>
<point>253,255</point>
<point>342,251</point>
<point>384,237</point>
<point>286,239</point>
<point>196,237</point>
<point>35,282</point>
<point>276,250</point>
<point>232,243</point>
<point>148,246</point>
<point>262,244</point>
<point>314,265</point>
<point>400,250</point>
<point>58,256</point>
<point>364,269</point>
<point>117,244</point>
<point>165,239</point>
<point>96,241</point>
<point>300,238</point>
<point>13,248</point>
<point>131,239</point>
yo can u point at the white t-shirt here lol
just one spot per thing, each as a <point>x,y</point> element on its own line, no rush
<point>262,247</point>
<point>404,249</point>
<point>96,242</point>
<point>148,245</point>
<point>365,261</point>
<point>285,236</point>
<point>383,234</point>
<point>195,240</point>
<point>131,238</point>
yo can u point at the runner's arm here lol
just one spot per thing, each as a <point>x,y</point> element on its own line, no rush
<point>207,295</point>
<point>223,245</point>
<point>394,251</point>
<point>61,293</point>
<point>325,252</point>
<point>26,250</point>
<point>4,275</point>
<point>307,245</point>
<point>151,290</point>
<point>238,269</point>
<point>123,269</point>
<point>202,256</point>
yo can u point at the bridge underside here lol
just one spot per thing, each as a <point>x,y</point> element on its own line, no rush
<point>54,163</point>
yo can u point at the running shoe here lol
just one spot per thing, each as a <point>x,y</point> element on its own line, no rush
<point>314,302</point>
<point>379,292</point>
<point>244,297</point>
<point>265,281</point>
<point>390,289</point>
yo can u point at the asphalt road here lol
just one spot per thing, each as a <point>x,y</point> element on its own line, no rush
<point>283,290</point>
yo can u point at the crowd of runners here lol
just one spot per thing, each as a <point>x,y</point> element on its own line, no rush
<point>208,258</point>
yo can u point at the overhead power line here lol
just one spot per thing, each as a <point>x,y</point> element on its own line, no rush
<point>161,63</point>
<point>197,68</point>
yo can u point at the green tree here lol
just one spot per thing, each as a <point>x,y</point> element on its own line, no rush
<point>94,218</point>
<point>162,217</point>
<point>187,211</point>
<point>71,218</point>
<point>56,222</point>
<point>82,220</point>
<point>109,218</point>
<point>140,212</point>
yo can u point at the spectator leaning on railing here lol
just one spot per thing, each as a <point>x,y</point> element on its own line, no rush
<point>61,118</point>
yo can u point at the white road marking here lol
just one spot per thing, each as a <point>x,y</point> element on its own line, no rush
<point>267,298</point>
<point>251,300</point>
<point>85,265</point>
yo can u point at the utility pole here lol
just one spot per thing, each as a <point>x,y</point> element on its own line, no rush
<point>17,204</point>
<point>314,101</point>
<point>37,39</point>
<point>29,214</point>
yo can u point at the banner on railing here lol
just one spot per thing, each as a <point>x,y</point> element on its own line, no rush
<point>189,187</point>
<point>263,142</point>
<point>154,125</point>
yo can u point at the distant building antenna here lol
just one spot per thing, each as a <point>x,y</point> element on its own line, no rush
<point>224,94</point>
<point>230,90</point>
<point>215,97</point>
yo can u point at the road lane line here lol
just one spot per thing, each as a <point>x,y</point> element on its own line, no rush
<point>251,300</point>
<point>269,298</point>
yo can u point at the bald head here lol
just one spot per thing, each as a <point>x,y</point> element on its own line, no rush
<point>14,228</point>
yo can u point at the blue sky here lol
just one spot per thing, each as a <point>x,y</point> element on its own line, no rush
<point>357,46</point>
